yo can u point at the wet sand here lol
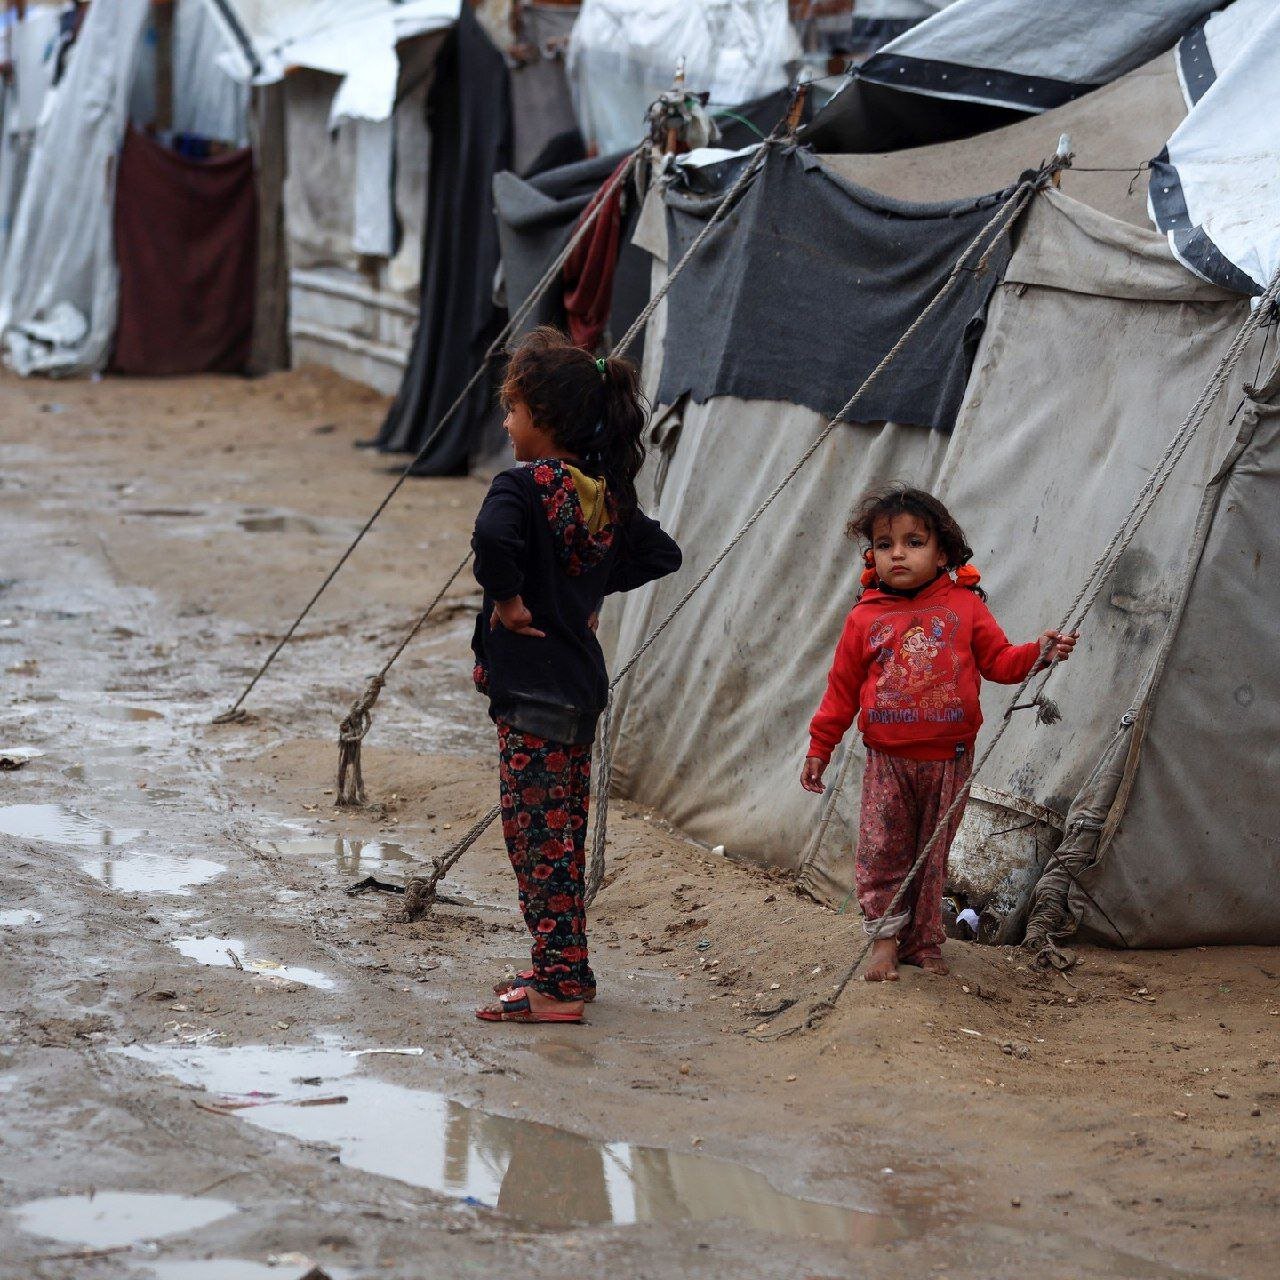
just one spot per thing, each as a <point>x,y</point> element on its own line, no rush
<point>186,981</point>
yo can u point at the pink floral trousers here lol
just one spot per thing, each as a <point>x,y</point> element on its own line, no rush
<point>902,801</point>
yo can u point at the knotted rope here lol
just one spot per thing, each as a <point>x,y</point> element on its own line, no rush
<point>997,225</point>
<point>1072,618</point>
<point>358,720</point>
<point>234,713</point>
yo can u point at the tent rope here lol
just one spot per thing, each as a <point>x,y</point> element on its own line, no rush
<point>420,891</point>
<point>1075,613</point>
<point>1001,221</point>
<point>234,713</point>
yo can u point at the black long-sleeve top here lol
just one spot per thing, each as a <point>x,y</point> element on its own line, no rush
<point>532,539</point>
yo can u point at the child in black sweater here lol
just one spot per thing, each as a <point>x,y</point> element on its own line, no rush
<point>554,536</point>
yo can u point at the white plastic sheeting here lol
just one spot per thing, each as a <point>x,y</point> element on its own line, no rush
<point>1030,57</point>
<point>206,100</point>
<point>1215,189</point>
<point>33,46</point>
<point>352,39</point>
<point>623,54</point>
<point>59,264</point>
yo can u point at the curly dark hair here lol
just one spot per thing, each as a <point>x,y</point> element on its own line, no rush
<point>902,500</point>
<point>596,412</point>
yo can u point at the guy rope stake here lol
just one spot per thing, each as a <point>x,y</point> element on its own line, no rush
<point>986,239</point>
<point>234,713</point>
<point>1072,618</point>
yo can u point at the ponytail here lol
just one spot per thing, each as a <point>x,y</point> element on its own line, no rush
<point>621,447</point>
<point>592,408</point>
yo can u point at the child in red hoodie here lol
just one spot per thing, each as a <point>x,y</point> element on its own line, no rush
<point>908,667</point>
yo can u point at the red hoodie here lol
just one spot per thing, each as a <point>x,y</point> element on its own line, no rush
<point>909,667</point>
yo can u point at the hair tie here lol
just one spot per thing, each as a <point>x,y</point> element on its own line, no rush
<point>869,573</point>
<point>600,364</point>
<point>967,576</point>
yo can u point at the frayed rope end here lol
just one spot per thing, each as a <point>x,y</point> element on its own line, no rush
<point>1047,711</point>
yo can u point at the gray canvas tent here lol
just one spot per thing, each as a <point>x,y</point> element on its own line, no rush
<point>1096,343</point>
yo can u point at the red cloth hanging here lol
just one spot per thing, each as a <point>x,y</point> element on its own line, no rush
<point>186,241</point>
<point>590,268</point>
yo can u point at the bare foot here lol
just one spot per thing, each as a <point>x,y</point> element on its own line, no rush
<point>930,964</point>
<point>882,963</point>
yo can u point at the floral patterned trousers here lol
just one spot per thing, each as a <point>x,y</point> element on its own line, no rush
<point>546,788</point>
<point>902,801</point>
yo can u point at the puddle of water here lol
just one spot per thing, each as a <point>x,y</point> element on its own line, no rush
<point>152,873</point>
<point>231,1269</point>
<point>534,1173</point>
<point>17,917</point>
<point>277,524</point>
<point>347,855</point>
<point>58,825</point>
<point>129,715</point>
<point>111,1219</point>
<point>216,951</point>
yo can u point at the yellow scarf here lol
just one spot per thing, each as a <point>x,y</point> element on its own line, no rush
<point>591,496</point>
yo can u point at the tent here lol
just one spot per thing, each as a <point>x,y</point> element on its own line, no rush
<point>979,64</point>
<point>623,54</point>
<point>167,269</point>
<point>1095,342</point>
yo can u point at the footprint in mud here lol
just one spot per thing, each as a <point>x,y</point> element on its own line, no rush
<point>279,523</point>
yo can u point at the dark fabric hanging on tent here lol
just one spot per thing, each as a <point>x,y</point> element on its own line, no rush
<point>537,215</point>
<point>809,285</point>
<point>186,234</point>
<point>469,116</point>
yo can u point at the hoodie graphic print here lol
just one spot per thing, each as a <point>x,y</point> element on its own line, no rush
<point>910,672</point>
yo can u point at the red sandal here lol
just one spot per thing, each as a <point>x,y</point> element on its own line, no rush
<point>526,976</point>
<point>513,1006</point>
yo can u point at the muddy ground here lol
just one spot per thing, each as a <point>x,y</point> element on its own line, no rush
<point>154,537</point>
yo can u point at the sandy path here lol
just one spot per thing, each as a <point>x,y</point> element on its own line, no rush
<point>155,536</point>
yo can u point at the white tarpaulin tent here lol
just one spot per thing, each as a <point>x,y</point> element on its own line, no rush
<point>58,285</point>
<point>352,39</point>
<point>1215,189</point>
<point>623,55</point>
<point>32,42</point>
<point>59,281</point>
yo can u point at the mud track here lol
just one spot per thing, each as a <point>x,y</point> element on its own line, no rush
<point>154,538</point>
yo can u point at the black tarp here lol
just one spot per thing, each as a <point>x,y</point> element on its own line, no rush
<point>469,117</point>
<point>809,284</point>
<point>537,214</point>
